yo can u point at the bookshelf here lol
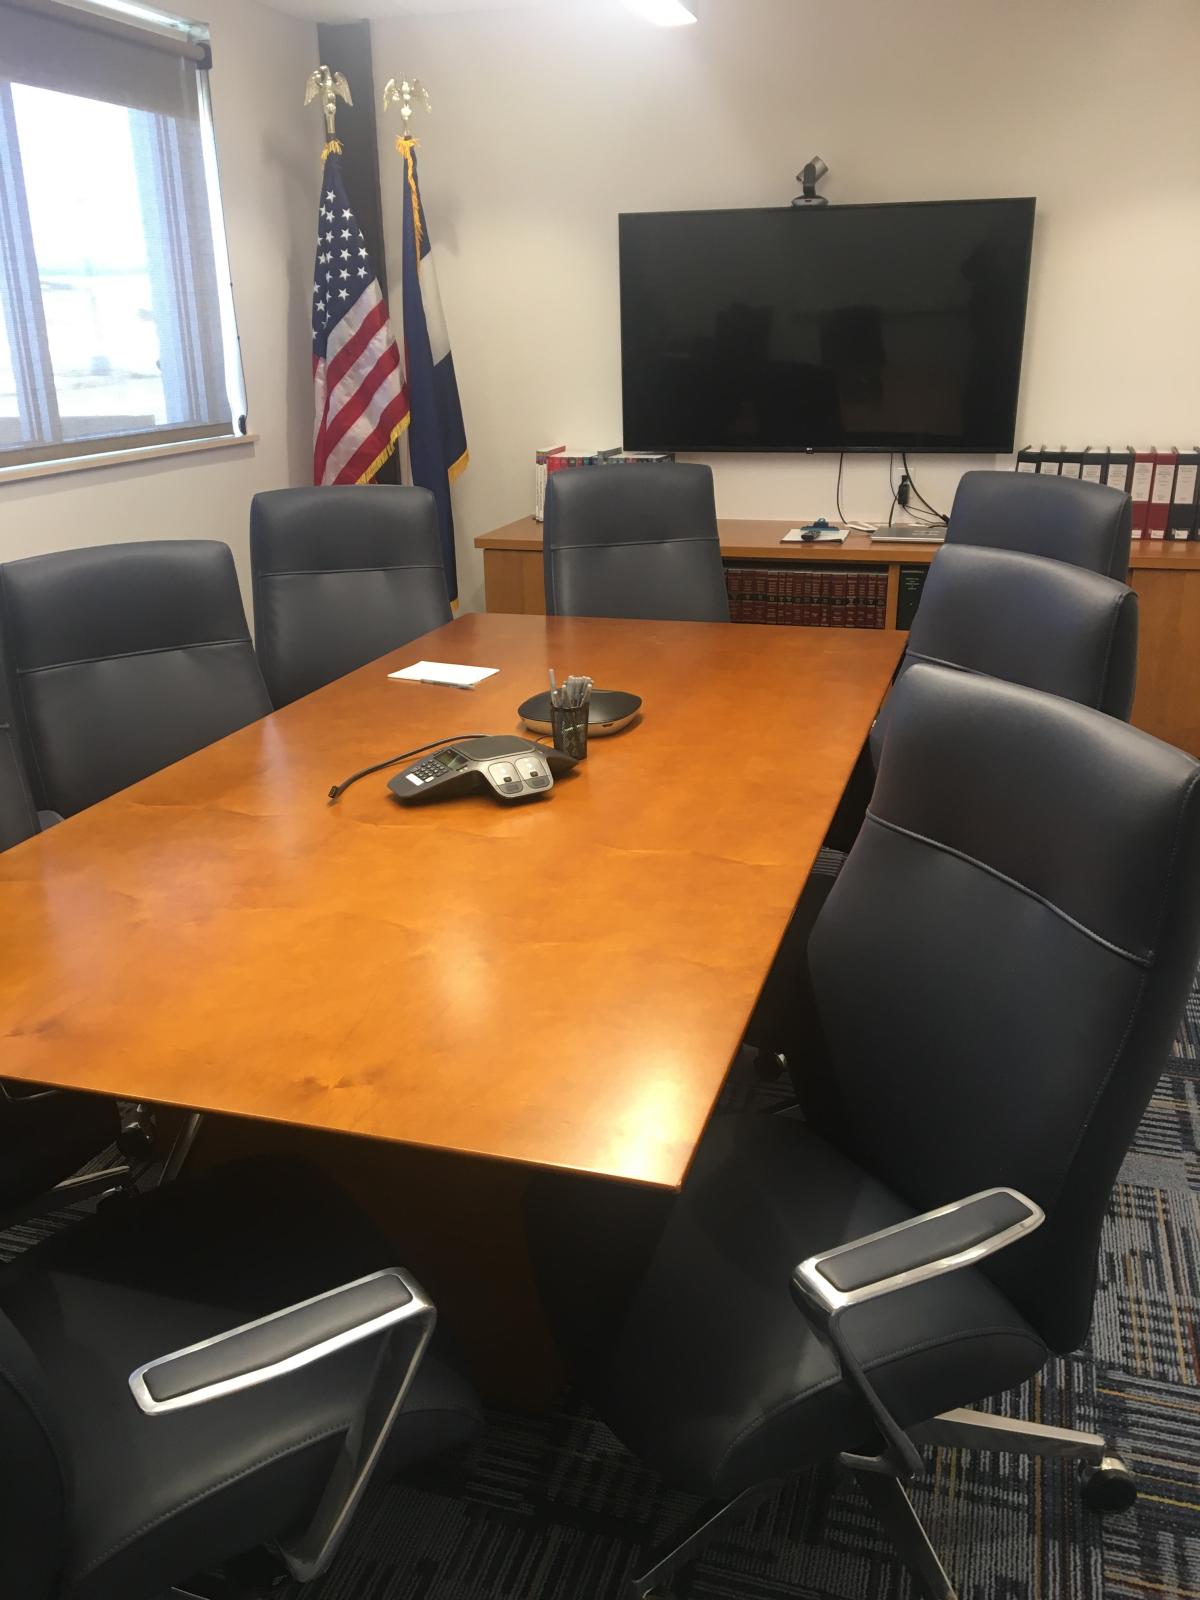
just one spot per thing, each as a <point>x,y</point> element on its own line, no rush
<point>1166,576</point>
<point>512,559</point>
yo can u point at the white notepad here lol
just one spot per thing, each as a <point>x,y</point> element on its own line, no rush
<point>824,536</point>
<point>444,672</point>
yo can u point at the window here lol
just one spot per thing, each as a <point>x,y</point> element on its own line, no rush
<point>116,321</point>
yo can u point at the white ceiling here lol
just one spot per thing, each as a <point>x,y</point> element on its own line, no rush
<point>354,10</point>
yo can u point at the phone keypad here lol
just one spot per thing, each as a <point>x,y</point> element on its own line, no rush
<point>430,768</point>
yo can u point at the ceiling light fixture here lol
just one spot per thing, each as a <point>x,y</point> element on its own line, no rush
<point>664,13</point>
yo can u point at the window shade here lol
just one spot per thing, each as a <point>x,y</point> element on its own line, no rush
<point>155,29</point>
<point>113,330</point>
<point>52,54</point>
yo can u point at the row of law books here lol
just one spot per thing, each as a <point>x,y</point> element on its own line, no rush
<point>796,596</point>
<point>1163,484</point>
<point>556,456</point>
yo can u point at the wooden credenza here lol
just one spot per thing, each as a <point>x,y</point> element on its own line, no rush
<point>1165,576</point>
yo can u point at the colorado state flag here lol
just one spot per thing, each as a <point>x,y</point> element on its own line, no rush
<point>437,441</point>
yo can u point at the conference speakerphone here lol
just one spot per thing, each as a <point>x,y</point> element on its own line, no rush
<point>510,767</point>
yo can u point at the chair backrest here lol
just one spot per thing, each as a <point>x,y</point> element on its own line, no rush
<point>341,576</point>
<point>1027,620</point>
<point>633,541</point>
<point>18,813</point>
<point>1067,519</point>
<point>34,1482</point>
<point>1004,959</point>
<point>122,659</point>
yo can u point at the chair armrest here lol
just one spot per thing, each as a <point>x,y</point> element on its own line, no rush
<point>279,1343</point>
<point>389,1305</point>
<point>26,1091</point>
<point>936,1242</point>
<point>83,1186</point>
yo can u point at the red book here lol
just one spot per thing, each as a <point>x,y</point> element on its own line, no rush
<point>1140,486</point>
<point>827,600</point>
<point>1162,492</point>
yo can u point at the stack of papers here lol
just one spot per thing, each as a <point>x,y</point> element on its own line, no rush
<point>444,672</point>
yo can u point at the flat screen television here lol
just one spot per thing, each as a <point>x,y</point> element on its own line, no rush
<point>874,327</point>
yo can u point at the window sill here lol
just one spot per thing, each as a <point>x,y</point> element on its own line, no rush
<point>121,458</point>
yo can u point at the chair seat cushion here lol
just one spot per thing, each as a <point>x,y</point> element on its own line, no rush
<point>47,1136</point>
<point>720,1381</point>
<point>157,1498</point>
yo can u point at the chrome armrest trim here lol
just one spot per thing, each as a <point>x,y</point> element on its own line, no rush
<point>810,1281</point>
<point>416,1308</point>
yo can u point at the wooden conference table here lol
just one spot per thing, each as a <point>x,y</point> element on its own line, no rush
<point>562,983</point>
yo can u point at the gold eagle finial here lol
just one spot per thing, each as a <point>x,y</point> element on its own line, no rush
<point>329,85</point>
<point>403,92</point>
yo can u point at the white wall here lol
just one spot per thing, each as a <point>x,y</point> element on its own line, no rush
<point>548,122</point>
<point>268,150</point>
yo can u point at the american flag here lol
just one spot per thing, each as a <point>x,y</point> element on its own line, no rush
<point>361,400</point>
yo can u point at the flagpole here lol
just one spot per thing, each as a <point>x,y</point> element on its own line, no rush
<point>404,92</point>
<point>437,439</point>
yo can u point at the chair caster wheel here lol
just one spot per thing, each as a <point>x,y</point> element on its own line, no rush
<point>769,1067</point>
<point>136,1139</point>
<point>1110,1487</point>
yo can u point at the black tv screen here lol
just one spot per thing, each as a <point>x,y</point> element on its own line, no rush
<point>877,327</point>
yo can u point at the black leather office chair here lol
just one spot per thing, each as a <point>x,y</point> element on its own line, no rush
<point>124,658</point>
<point>341,576</point>
<point>633,541</point>
<point>200,1372</point>
<point>1028,620</point>
<point>46,1135</point>
<point>1067,519</point>
<point>999,971</point>
<point>18,813</point>
<point>1025,619</point>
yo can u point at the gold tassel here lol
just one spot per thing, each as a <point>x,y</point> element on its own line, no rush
<point>405,144</point>
<point>391,445</point>
<point>333,148</point>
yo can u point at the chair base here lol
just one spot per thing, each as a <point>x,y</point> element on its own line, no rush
<point>253,1576</point>
<point>1108,1486</point>
<point>964,1429</point>
<point>691,1538</point>
<point>181,1148</point>
<point>888,1499</point>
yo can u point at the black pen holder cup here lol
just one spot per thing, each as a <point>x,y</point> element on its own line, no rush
<point>569,725</point>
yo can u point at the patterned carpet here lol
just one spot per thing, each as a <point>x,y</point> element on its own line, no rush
<point>553,1508</point>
